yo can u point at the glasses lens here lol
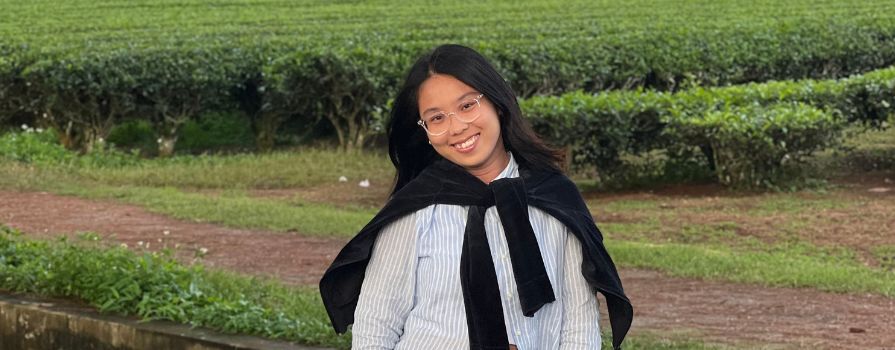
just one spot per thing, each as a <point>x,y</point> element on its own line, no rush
<point>468,110</point>
<point>435,123</point>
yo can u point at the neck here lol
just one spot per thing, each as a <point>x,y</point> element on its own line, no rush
<point>488,171</point>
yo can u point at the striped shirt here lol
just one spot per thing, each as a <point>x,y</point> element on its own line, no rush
<point>411,296</point>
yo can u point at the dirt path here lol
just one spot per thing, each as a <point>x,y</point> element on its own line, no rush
<point>721,312</point>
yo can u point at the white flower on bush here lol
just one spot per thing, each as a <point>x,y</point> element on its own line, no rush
<point>364,184</point>
<point>25,127</point>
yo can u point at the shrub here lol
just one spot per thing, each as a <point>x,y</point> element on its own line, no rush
<point>38,146</point>
<point>753,145</point>
<point>348,87</point>
<point>153,285</point>
<point>35,146</point>
<point>134,134</point>
<point>216,131</point>
<point>599,128</point>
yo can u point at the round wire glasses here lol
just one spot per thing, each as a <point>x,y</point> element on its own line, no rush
<point>436,122</point>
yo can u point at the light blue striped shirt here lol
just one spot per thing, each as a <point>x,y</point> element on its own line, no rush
<point>411,297</point>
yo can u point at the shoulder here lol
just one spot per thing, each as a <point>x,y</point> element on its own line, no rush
<point>546,221</point>
<point>413,222</point>
<point>554,189</point>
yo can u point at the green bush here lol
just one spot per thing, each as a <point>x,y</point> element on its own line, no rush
<point>38,146</point>
<point>134,134</point>
<point>753,145</point>
<point>35,146</point>
<point>82,97</point>
<point>348,87</point>
<point>216,131</point>
<point>91,75</point>
<point>598,127</point>
<point>176,85</point>
<point>153,285</point>
<point>602,127</point>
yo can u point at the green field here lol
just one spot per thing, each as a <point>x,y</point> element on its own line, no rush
<point>624,85</point>
<point>74,23</point>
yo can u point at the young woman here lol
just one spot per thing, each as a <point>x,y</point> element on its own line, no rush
<point>484,244</point>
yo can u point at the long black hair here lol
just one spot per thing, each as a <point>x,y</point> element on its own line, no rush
<point>408,145</point>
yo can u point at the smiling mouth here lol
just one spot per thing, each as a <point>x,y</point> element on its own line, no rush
<point>468,143</point>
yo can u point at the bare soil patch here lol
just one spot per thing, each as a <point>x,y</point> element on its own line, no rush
<point>290,257</point>
<point>716,311</point>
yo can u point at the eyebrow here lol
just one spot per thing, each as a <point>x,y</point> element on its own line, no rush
<point>458,100</point>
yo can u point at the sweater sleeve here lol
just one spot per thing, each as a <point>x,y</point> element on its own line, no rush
<point>580,323</point>
<point>387,293</point>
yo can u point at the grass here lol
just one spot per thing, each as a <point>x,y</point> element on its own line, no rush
<point>886,256</point>
<point>797,204</point>
<point>155,286</point>
<point>231,208</point>
<point>779,268</point>
<point>235,210</point>
<point>661,342</point>
<point>284,169</point>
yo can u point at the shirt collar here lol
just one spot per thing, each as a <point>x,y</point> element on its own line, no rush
<point>511,170</point>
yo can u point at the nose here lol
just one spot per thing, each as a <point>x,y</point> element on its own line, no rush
<point>457,126</point>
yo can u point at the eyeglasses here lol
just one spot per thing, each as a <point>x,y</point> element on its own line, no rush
<point>436,123</point>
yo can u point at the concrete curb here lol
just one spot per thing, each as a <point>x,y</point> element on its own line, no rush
<point>29,323</point>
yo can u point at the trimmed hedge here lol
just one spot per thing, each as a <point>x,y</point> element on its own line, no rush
<point>751,145</point>
<point>86,80</point>
<point>601,127</point>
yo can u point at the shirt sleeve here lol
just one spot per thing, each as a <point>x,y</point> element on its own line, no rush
<point>387,293</point>
<point>581,315</point>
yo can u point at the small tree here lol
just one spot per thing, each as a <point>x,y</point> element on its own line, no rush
<point>82,97</point>
<point>348,87</point>
<point>176,84</point>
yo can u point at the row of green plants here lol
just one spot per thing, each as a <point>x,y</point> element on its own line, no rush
<point>748,135</point>
<point>543,47</point>
<point>346,82</point>
<point>752,135</point>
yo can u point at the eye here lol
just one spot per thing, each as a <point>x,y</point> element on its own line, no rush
<point>435,118</point>
<point>467,106</point>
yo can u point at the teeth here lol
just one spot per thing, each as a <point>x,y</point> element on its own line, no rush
<point>468,142</point>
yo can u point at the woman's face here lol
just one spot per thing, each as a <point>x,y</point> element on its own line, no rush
<point>476,146</point>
